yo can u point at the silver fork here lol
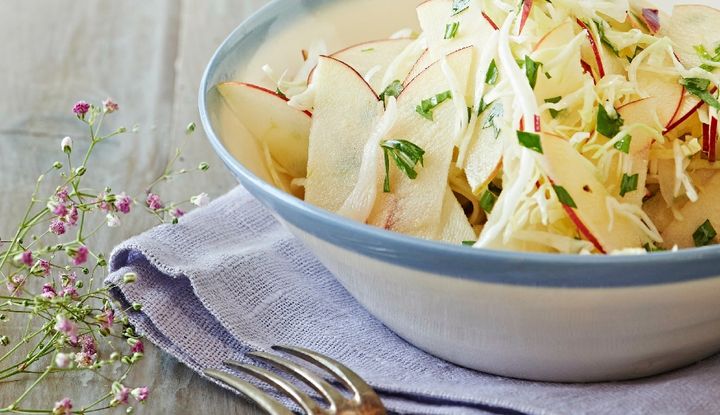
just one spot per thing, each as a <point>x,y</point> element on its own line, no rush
<point>364,400</point>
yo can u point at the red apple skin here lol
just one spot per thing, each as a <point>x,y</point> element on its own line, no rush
<point>583,229</point>
<point>260,88</point>
<point>676,123</point>
<point>652,19</point>
<point>527,8</point>
<point>595,48</point>
<point>493,24</point>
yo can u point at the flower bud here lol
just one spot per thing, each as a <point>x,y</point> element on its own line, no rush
<point>129,278</point>
<point>203,166</point>
<point>57,165</point>
<point>66,145</point>
<point>190,128</point>
<point>136,306</point>
<point>80,171</point>
<point>4,340</point>
<point>114,356</point>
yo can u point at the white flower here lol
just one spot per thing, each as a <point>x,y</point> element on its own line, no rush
<point>62,361</point>
<point>112,220</point>
<point>200,200</point>
<point>66,144</point>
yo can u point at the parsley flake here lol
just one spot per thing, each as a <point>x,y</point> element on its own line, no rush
<point>624,144</point>
<point>392,90</point>
<point>530,140</point>
<point>451,30</point>
<point>553,113</point>
<point>704,54</point>
<point>564,197</point>
<point>492,73</point>
<point>628,184</point>
<point>469,243</point>
<point>460,6</point>
<point>699,88</point>
<point>603,38</point>
<point>496,110</point>
<point>607,125</point>
<point>531,70</point>
<point>406,156</point>
<point>427,106</point>
<point>487,201</point>
<point>705,234</point>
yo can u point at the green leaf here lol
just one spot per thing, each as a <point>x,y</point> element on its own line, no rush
<point>607,125</point>
<point>492,73</point>
<point>564,197</point>
<point>451,30</point>
<point>406,156</point>
<point>392,90</point>
<point>624,144</point>
<point>628,184</point>
<point>427,106</point>
<point>487,201</point>
<point>496,110</point>
<point>699,88</point>
<point>705,55</point>
<point>460,6</point>
<point>531,70</point>
<point>530,140</point>
<point>601,29</point>
<point>704,235</point>
<point>469,243</point>
<point>555,100</point>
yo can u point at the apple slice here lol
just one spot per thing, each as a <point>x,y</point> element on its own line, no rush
<point>569,170</point>
<point>372,56</point>
<point>455,227</point>
<point>269,119</point>
<point>692,25</point>
<point>564,79</point>
<point>345,114</point>
<point>485,152</point>
<point>413,207</point>
<point>680,232</point>
<point>659,211</point>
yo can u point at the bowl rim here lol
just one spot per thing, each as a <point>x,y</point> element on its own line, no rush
<point>538,269</point>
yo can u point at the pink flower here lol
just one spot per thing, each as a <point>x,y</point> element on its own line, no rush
<point>62,194</point>
<point>63,407</point>
<point>141,394</point>
<point>200,200</point>
<point>153,202</point>
<point>69,292</point>
<point>107,318</point>
<point>67,327</point>
<point>73,215</point>
<point>62,360</point>
<point>81,108</point>
<point>15,284</point>
<point>41,268</point>
<point>122,395</point>
<point>177,213</point>
<point>59,210</point>
<point>57,227</point>
<point>87,345</point>
<point>123,203</point>
<point>68,280</point>
<point>138,347</point>
<point>48,292</point>
<point>84,359</point>
<point>104,205</point>
<point>110,106</point>
<point>27,258</point>
<point>81,255</point>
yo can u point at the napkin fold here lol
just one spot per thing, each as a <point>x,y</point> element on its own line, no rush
<point>229,279</point>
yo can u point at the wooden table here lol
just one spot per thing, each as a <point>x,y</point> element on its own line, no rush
<point>148,56</point>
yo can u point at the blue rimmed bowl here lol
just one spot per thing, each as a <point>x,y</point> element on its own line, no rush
<point>532,316</point>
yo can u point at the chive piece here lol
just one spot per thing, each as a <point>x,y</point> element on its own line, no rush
<point>406,156</point>
<point>547,75</point>
<point>607,125</point>
<point>624,144</point>
<point>555,100</point>
<point>427,106</point>
<point>629,184</point>
<point>460,6</point>
<point>699,88</point>
<point>530,140</point>
<point>492,74</point>
<point>704,54</point>
<point>368,50</point>
<point>705,234</point>
<point>392,90</point>
<point>451,30</point>
<point>487,201</point>
<point>280,93</point>
<point>469,243</point>
<point>564,197</point>
<point>496,110</point>
<point>531,70</point>
<point>495,189</point>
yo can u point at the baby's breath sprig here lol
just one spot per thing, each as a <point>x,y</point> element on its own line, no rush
<point>50,271</point>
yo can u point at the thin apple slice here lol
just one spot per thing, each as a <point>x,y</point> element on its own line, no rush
<point>570,171</point>
<point>269,119</point>
<point>485,152</point>
<point>666,91</point>
<point>345,113</point>
<point>680,232</point>
<point>370,57</point>
<point>693,25</point>
<point>659,211</point>
<point>413,207</point>
<point>564,79</point>
<point>455,227</point>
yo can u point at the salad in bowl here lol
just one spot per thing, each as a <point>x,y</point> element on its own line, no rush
<point>572,126</point>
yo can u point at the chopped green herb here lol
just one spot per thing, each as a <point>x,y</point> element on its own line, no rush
<point>495,189</point>
<point>553,113</point>
<point>460,6</point>
<point>564,197</point>
<point>470,112</point>
<point>705,234</point>
<point>487,201</point>
<point>704,54</point>
<point>530,140</point>
<point>624,144</point>
<point>605,41</point>
<point>451,30</point>
<point>531,70</point>
<point>427,106</point>
<point>469,243</point>
<point>547,75</point>
<point>699,88</point>
<point>652,248</point>
<point>607,125</point>
<point>482,107</point>
<point>496,110</point>
<point>406,156</point>
<point>629,184</point>
<point>392,90</point>
<point>280,93</point>
<point>492,73</point>
<point>367,50</point>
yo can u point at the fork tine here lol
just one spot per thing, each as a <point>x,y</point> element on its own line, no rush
<point>308,404</point>
<point>332,395</point>
<point>351,380</point>
<point>262,399</point>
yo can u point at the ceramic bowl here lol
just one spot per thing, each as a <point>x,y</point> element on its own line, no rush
<point>531,316</point>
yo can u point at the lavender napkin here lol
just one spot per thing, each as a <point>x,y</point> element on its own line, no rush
<point>230,279</point>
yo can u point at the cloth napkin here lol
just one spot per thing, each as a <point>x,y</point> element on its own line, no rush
<point>229,279</point>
